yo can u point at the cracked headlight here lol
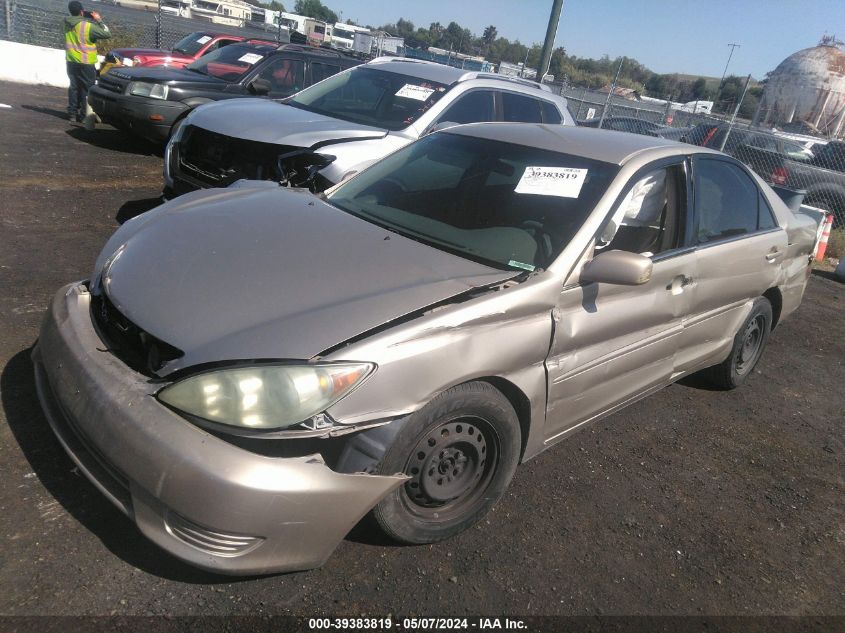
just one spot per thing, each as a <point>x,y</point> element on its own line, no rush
<point>145,89</point>
<point>264,397</point>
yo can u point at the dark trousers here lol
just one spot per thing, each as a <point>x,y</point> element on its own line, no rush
<point>82,77</point>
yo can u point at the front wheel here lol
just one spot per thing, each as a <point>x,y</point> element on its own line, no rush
<point>747,349</point>
<point>460,452</point>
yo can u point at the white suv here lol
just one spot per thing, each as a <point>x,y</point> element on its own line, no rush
<point>343,124</point>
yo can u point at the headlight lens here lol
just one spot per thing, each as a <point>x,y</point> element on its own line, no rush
<point>144,89</point>
<point>264,397</point>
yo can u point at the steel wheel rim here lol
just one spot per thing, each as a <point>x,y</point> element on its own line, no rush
<point>752,344</point>
<point>450,468</point>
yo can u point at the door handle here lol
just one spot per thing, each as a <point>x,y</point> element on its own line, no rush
<point>679,283</point>
<point>773,256</point>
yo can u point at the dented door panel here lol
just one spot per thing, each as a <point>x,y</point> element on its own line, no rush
<point>614,342</point>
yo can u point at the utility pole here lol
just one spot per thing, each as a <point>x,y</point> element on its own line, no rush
<point>733,116</point>
<point>610,93</point>
<point>548,45</point>
<point>725,72</point>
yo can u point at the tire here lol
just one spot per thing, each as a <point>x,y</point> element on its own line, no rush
<point>460,451</point>
<point>747,349</point>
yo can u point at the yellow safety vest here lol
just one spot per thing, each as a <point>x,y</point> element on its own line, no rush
<point>78,46</point>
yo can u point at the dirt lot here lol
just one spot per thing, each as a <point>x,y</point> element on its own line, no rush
<point>690,502</point>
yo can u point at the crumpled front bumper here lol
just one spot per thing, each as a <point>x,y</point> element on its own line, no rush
<point>207,502</point>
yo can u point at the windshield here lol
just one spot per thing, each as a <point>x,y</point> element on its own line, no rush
<point>507,206</point>
<point>229,63</point>
<point>371,97</point>
<point>191,44</point>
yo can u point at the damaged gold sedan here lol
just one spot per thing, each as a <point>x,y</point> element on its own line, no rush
<point>251,370</point>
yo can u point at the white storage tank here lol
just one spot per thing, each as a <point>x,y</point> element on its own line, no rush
<point>807,91</point>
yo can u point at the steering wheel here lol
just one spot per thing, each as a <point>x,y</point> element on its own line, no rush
<point>385,190</point>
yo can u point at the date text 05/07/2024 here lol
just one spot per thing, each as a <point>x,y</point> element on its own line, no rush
<point>415,624</point>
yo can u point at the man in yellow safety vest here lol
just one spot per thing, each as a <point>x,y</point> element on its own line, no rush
<point>82,30</point>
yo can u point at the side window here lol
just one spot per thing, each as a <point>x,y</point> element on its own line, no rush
<point>726,201</point>
<point>322,71</point>
<point>651,216</point>
<point>763,142</point>
<point>285,76</point>
<point>550,113</point>
<point>471,107</point>
<point>520,109</point>
<point>765,217</point>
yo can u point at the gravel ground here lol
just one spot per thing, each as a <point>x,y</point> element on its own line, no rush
<point>689,502</point>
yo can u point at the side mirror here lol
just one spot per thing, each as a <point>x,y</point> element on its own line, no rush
<point>259,86</point>
<point>618,267</point>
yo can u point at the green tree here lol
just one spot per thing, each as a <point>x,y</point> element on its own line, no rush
<point>315,9</point>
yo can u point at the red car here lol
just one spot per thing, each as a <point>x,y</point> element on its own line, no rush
<point>186,50</point>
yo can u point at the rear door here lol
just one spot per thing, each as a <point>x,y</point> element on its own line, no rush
<point>738,247</point>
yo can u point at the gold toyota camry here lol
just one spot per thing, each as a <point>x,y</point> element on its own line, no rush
<point>251,370</point>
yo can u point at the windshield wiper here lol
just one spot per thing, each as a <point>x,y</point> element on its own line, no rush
<point>196,70</point>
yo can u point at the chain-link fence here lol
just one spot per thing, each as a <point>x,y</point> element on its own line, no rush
<point>809,163</point>
<point>812,164</point>
<point>141,24</point>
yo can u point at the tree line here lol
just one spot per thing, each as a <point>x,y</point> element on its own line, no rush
<point>576,71</point>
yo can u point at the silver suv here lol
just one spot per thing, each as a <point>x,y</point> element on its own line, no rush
<point>343,124</point>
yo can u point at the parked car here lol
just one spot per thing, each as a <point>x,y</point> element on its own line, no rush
<point>741,139</point>
<point>251,370</point>
<point>188,49</point>
<point>636,126</point>
<point>335,129</point>
<point>151,101</point>
<point>782,161</point>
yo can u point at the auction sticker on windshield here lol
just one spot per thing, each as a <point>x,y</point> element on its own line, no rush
<point>204,39</point>
<point>564,182</point>
<point>418,93</point>
<point>250,58</point>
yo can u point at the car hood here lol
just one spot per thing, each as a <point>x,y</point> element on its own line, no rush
<point>271,122</point>
<point>268,273</point>
<point>147,52</point>
<point>161,74</point>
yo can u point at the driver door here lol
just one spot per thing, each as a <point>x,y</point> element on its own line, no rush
<point>615,343</point>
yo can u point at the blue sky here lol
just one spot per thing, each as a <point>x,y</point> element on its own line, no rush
<point>686,36</point>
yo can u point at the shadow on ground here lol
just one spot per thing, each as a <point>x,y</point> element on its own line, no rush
<point>76,494</point>
<point>134,208</point>
<point>827,275</point>
<point>115,140</point>
<point>59,114</point>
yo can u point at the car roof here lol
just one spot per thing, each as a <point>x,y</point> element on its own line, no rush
<point>607,146</point>
<point>264,47</point>
<point>441,73</point>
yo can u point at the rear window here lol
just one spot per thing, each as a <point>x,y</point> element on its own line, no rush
<point>520,109</point>
<point>371,97</point>
<point>550,113</point>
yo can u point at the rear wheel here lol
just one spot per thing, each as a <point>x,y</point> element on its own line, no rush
<point>748,347</point>
<point>460,452</point>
